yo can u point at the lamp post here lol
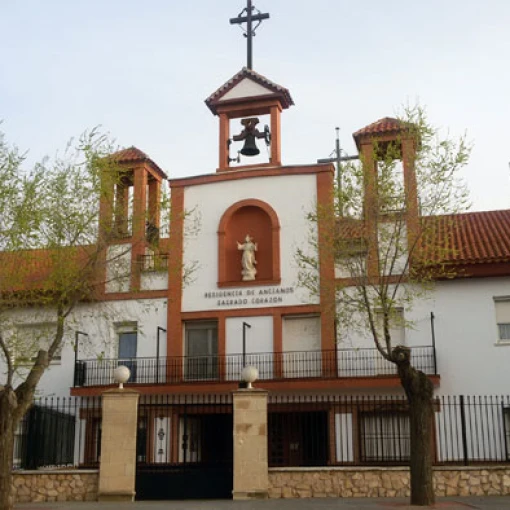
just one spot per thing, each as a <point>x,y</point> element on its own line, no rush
<point>245,325</point>
<point>433,331</point>
<point>157,353</point>
<point>76,345</point>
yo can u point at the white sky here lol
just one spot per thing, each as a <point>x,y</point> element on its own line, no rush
<point>143,69</point>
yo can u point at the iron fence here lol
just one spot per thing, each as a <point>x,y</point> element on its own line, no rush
<point>58,432</point>
<point>337,430</point>
<point>338,363</point>
<point>304,430</point>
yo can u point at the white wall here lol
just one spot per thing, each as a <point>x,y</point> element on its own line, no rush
<point>99,320</point>
<point>290,196</point>
<point>157,280</point>
<point>469,359</point>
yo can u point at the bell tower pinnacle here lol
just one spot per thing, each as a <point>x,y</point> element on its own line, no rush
<point>246,96</point>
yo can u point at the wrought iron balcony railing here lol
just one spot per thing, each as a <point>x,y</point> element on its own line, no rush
<point>341,363</point>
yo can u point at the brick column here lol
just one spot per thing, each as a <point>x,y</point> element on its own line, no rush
<point>250,444</point>
<point>118,445</point>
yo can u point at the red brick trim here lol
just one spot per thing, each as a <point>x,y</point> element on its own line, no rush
<point>174,326</point>
<point>343,383</point>
<point>326,257</point>
<point>244,173</point>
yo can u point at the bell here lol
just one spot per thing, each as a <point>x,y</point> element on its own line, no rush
<point>250,147</point>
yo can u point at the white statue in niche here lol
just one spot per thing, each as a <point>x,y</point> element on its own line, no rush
<point>248,261</point>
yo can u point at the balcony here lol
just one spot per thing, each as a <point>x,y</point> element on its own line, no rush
<point>285,366</point>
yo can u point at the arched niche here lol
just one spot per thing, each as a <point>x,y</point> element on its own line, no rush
<point>260,221</point>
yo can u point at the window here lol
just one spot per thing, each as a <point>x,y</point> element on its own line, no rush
<point>128,346</point>
<point>30,338</point>
<point>385,436</point>
<point>502,306</point>
<point>301,339</point>
<point>201,350</point>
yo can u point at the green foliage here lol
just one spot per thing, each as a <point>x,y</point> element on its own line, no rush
<point>385,248</point>
<point>50,251</point>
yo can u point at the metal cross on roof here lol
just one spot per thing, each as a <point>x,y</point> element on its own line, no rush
<point>248,16</point>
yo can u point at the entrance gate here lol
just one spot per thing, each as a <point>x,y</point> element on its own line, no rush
<point>184,447</point>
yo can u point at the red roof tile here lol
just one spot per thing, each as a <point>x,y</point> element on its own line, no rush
<point>458,239</point>
<point>134,155</point>
<point>470,238</point>
<point>381,126</point>
<point>278,90</point>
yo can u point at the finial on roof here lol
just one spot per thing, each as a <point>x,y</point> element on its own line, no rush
<point>247,16</point>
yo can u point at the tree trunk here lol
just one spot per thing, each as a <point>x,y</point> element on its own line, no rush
<point>419,391</point>
<point>7,406</point>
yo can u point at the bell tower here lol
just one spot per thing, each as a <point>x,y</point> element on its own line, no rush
<point>388,139</point>
<point>130,216</point>
<point>245,96</point>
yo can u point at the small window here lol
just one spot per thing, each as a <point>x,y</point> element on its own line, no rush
<point>504,331</point>
<point>502,306</point>
<point>128,347</point>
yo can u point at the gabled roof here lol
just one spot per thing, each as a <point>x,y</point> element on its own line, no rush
<point>455,239</point>
<point>471,238</point>
<point>135,155</point>
<point>267,88</point>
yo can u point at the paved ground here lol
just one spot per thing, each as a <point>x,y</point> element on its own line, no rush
<point>478,503</point>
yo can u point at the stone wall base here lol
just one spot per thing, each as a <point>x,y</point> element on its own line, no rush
<point>58,485</point>
<point>384,482</point>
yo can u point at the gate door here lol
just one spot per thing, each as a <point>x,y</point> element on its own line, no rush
<point>184,448</point>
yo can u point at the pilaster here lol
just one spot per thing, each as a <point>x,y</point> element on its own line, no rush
<point>117,469</point>
<point>250,444</point>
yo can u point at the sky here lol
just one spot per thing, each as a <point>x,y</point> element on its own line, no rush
<point>142,70</point>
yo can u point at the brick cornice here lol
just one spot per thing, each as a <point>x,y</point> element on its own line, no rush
<point>245,173</point>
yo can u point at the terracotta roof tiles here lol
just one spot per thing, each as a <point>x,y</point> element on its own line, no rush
<point>135,155</point>
<point>381,126</point>
<point>472,238</point>
<point>468,238</point>
<point>284,93</point>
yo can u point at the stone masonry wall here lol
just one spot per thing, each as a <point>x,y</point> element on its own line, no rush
<point>61,485</point>
<point>384,482</point>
